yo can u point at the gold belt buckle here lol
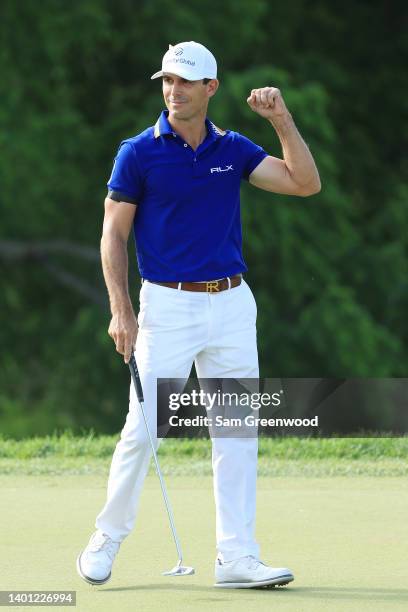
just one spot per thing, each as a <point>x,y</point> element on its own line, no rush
<point>212,287</point>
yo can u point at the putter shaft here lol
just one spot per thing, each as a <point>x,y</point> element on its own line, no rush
<point>139,392</point>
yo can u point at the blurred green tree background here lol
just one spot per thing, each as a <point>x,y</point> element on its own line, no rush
<point>329,272</point>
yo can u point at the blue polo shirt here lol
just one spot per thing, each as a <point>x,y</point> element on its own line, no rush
<point>187,226</point>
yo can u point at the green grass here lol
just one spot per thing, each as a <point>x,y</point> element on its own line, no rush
<point>101,446</point>
<point>345,539</point>
<point>308,457</point>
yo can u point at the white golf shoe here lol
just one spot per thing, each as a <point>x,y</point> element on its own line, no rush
<point>94,563</point>
<point>249,572</point>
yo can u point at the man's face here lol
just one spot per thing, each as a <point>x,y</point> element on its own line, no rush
<point>187,99</point>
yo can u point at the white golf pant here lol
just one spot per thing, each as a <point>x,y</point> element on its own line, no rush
<point>217,331</point>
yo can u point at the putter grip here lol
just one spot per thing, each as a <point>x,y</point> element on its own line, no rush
<point>135,377</point>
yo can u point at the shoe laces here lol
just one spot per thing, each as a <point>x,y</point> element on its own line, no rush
<point>101,541</point>
<point>253,563</point>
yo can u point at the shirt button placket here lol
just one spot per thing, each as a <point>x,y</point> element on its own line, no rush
<point>195,166</point>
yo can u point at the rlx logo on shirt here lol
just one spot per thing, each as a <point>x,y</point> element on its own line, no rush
<point>219,169</point>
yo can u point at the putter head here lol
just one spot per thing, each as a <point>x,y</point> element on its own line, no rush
<point>180,570</point>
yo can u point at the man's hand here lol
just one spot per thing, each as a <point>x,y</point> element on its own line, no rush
<point>268,103</point>
<point>123,330</point>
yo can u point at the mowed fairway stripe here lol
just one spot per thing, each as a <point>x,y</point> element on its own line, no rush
<point>346,540</point>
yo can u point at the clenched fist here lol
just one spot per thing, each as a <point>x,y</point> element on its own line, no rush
<point>123,331</point>
<point>267,102</point>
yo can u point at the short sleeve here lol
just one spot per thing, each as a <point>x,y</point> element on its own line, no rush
<point>125,182</point>
<point>252,155</point>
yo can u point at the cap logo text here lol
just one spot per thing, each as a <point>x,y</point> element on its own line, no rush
<point>181,60</point>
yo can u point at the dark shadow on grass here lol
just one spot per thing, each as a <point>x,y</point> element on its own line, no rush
<point>189,588</point>
<point>163,587</point>
<point>339,593</point>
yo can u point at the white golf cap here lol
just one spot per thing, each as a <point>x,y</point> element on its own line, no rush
<point>189,60</point>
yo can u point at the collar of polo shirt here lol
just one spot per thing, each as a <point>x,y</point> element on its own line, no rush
<point>163,127</point>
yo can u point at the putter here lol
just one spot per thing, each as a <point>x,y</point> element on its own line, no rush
<point>179,569</point>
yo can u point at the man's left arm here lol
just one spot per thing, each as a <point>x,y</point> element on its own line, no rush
<point>296,173</point>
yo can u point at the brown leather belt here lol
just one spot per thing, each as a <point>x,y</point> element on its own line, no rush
<point>208,287</point>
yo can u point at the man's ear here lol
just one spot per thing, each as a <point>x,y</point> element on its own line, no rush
<point>212,87</point>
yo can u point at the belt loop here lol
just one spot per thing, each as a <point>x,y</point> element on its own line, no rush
<point>229,282</point>
<point>179,287</point>
<point>141,281</point>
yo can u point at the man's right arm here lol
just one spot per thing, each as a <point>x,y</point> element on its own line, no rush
<point>117,224</point>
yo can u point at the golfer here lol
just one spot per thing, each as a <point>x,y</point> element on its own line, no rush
<point>178,185</point>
